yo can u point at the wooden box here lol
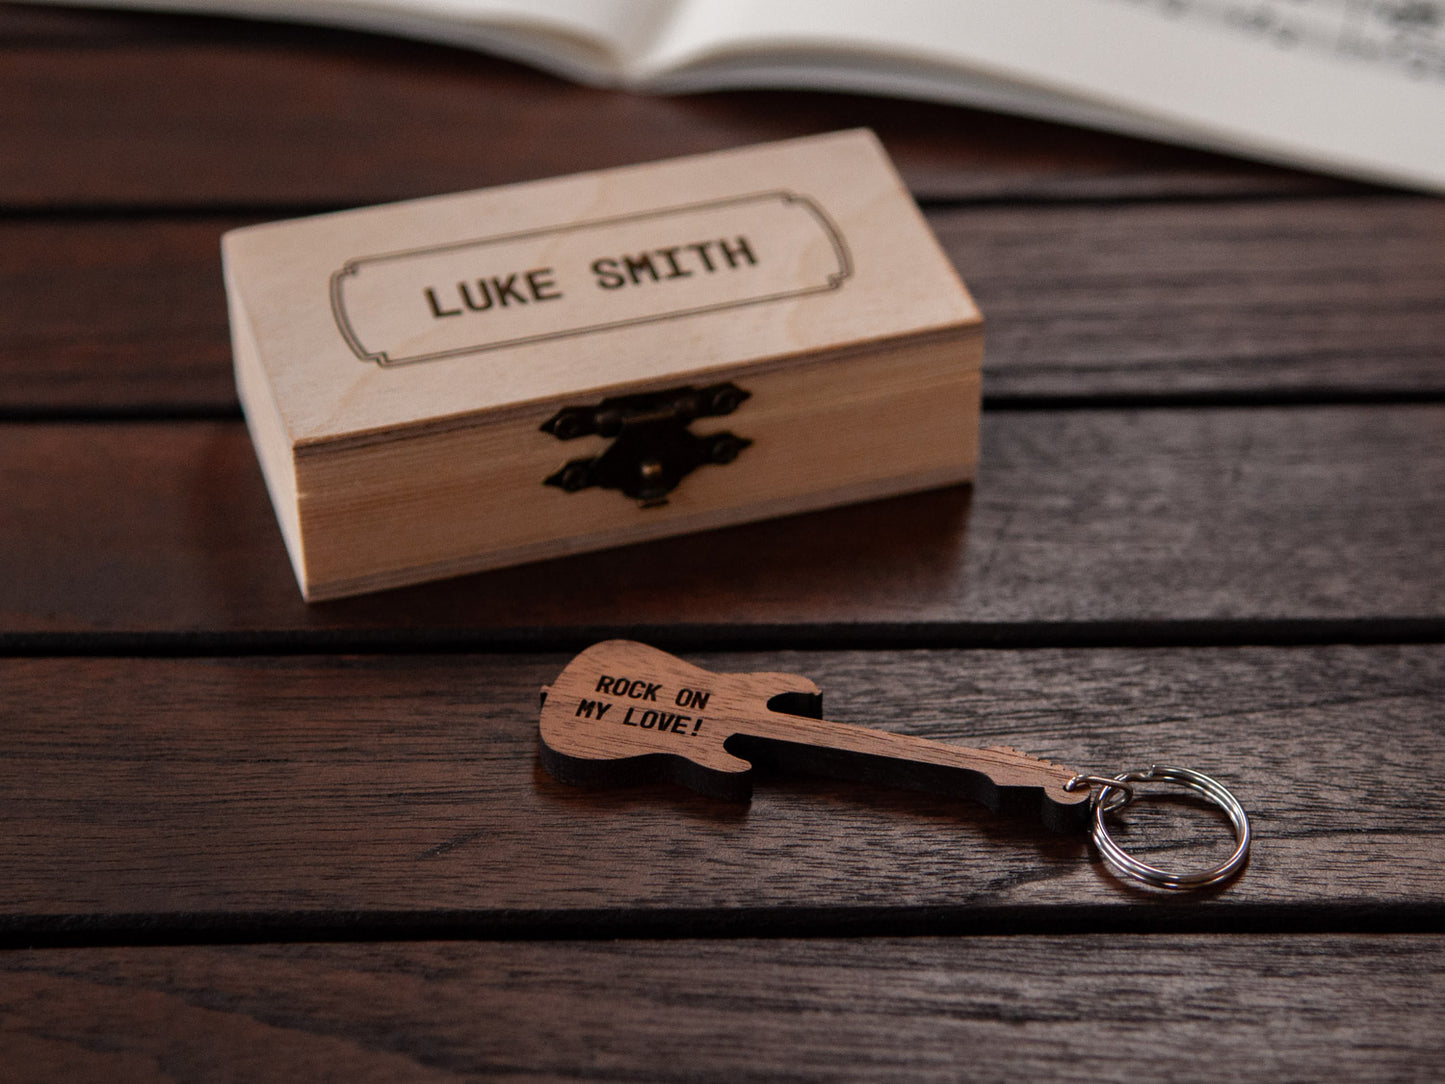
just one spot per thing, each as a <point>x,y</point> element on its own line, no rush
<point>468,381</point>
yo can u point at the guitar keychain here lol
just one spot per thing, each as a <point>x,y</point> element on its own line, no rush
<point>622,712</point>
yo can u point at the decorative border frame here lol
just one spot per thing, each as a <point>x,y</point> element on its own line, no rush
<point>353,266</point>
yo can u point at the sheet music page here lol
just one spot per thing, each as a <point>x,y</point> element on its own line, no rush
<point>1406,37</point>
<point>1355,86</point>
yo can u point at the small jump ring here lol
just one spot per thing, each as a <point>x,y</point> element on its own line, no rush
<point>1120,792</point>
<point>1123,862</point>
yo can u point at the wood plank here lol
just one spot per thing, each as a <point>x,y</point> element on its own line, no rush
<point>42,24</point>
<point>1077,517</point>
<point>265,797</point>
<point>1236,1008</point>
<point>1293,298</point>
<point>1275,298</point>
<point>114,315</point>
<point>239,113</point>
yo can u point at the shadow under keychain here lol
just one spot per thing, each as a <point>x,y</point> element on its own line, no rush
<point>622,712</point>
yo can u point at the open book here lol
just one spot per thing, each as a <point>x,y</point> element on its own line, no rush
<point>1355,87</point>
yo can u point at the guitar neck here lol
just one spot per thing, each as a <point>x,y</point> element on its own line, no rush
<point>998,777</point>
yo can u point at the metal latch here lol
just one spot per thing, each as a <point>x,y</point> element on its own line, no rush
<point>652,449</point>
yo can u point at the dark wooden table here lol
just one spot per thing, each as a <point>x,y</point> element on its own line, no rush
<point>243,838</point>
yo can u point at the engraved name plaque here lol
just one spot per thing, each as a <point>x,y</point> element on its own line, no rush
<point>479,295</point>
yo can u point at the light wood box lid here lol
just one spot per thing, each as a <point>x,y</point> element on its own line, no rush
<point>350,345</point>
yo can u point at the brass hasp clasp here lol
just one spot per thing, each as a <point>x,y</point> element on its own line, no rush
<point>652,448</point>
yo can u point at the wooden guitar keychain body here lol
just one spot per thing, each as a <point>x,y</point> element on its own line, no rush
<point>622,712</point>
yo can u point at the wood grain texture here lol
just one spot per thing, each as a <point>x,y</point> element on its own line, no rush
<point>113,316</point>
<point>120,111</point>
<point>1077,516</point>
<point>1300,297</point>
<point>1237,1008</point>
<point>43,24</point>
<point>1292,297</point>
<point>357,797</point>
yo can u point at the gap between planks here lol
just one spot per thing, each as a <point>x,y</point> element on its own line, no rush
<point>1014,403</point>
<point>267,211</point>
<point>863,636</point>
<point>774,923</point>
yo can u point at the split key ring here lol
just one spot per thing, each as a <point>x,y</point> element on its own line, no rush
<point>1118,791</point>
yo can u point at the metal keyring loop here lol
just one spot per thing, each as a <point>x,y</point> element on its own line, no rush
<point>1124,863</point>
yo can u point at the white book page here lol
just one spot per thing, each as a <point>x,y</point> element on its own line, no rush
<point>1349,85</point>
<point>590,40</point>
